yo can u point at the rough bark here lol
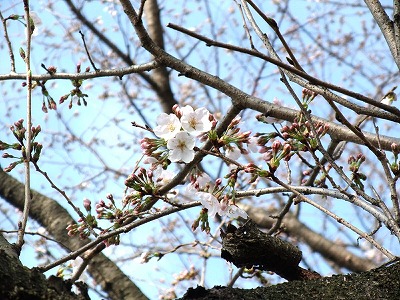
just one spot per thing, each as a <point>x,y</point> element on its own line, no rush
<point>55,218</point>
<point>247,246</point>
<point>19,282</point>
<point>380,283</point>
<point>292,226</point>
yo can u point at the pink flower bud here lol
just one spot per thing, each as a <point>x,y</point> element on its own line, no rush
<point>276,145</point>
<point>87,204</point>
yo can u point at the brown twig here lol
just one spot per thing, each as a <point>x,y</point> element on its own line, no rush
<point>87,51</point>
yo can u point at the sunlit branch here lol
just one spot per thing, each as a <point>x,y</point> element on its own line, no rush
<point>27,158</point>
<point>87,75</point>
<point>302,198</point>
<point>118,231</point>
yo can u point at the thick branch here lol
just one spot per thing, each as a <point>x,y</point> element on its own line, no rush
<point>247,246</point>
<point>19,282</point>
<point>318,243</point>
<point>380,283</point>
<point>386,26</point>
<point>159,75</point>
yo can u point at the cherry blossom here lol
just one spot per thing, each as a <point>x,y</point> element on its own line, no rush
<point>168,126</point>
<point>210,202</point>
<point>252,145</point>
<point>165,177</point>
<point>195,121</point>
<point>181,147</point>
<point>203,180</point>
<point>233,211</point>
<point>233,153</point>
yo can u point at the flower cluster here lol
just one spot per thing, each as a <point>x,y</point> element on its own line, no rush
<point>76,92</point>
<point>302,134</point>
<point>307,96</point>
<point>276,153</point>
<point>232,141</point>
<point>84,225</point>
<point>395,166</point>
<point>179,129</point>
<point>224,207</point>
<point>354,167</point>
<point>19,132</point>
<point>88,224</point>
<point>214,201</point>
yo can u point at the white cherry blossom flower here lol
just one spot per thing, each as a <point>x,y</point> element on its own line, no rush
<point>35,23</point>
<point>165,177</point>
<point>195,121</point>
<point>234,211</point>
<point>210,202</point>
<point>168,125</point>
<point>253,144</point>
<point>233,153</point>
<point>181,147</point>
<point>203,180</point>
<point>191,190</point>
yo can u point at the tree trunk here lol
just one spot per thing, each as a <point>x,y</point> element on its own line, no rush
<point>380,283</point>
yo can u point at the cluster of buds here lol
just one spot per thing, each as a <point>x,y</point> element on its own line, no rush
<point>110,211</point>
<point>19,132</point>
<point>76,92</point>
<point>278,152</point>
<point>113,214</point>
<point>302,134</point>
<point>256,172</point>
<point>264,138</point>
<point>51,104</point>
<point>156,149</point>
<point>307,96</point>
<point>395,166</point>
<point>142,182</point>
<point>354,167</point>
<point>202,221</point>
<point>233,138</point>
<point>84,225</point>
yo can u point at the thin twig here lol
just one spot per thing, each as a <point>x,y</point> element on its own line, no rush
<point>76,209</point>
<point>118,231</point>
<point>271,22</point>
<point>27,158</point>
<point>10,50</point>
<point>87,75</point>
<point>235,277</point>
<point>340,220</point>
<point>87,51</point>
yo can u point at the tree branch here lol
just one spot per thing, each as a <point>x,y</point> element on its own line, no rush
<point>386,26</point>
<point>55,218</point>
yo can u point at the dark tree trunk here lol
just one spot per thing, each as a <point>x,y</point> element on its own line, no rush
<point>380,283</point>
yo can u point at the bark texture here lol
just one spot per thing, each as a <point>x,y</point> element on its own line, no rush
<point>338,254</point>
<point>381,283</point>
<point>18,282</point>
<point>247,246</point>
